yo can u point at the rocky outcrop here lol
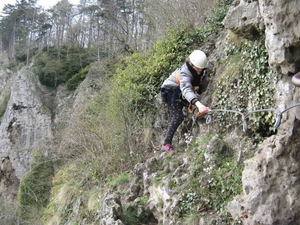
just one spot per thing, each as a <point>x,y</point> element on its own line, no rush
<point>160,189</point>
<point>28,124</point>
<point>271,183</point>
<point>278,21</point>
<point>282,34</point>
<point>245,20</point>
<point>271,177</point>
<point>9,184</point>
<point>25,121</point>
<point>110,211</point>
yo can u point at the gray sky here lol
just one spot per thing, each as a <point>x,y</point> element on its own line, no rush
<point>44,3</point>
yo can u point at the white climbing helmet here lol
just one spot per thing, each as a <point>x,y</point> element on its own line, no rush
<point>198,59</point>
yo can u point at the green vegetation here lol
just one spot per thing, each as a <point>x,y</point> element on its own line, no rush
<point>55,66</point>
<point>188,200</point>
<point>75,80</point>
<point>130,217</point>
<point>119,180</point>
<point>246,85</point>
<point>156,180</point>
<point>211,189</point>
<point>214,22</point>
<point>35,189</point>
<point>143,200</point>
<point>3,105</point>
<point>139,78</point>
<point>225,182</point>
<point>71,185</point>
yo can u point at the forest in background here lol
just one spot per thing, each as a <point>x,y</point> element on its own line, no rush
<point>107,28</point>
<point>93,31</point>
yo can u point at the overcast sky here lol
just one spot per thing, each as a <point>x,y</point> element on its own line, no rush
<point>44,3</point>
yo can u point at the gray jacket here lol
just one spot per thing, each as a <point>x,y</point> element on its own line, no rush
<point>186,84</point>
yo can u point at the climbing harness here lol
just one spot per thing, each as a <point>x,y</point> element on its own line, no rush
<point>245,116</point>
<point>164,93</point>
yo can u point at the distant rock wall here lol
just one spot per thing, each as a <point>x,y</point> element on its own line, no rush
<point>25,121</point>
<point>28,123</point>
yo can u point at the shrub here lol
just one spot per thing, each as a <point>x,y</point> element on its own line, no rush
<point>75,80</point>
<point>55,66</point>
<point>34,190</point>
<point>3,105</point>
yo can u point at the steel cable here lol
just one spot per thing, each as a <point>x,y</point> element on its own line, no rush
<point>245,116</point>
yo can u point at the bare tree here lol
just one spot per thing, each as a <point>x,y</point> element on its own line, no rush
<point>61,15</point>
<point>166,14</point>
<point>108,26</point>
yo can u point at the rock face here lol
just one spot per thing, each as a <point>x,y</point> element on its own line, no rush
<point>25,122</point>
<point>245,20</point>
<point>111,208</point>
<point>281,20</point>
<point>271,183</point>
<point>278,21</point>
<point>271,177</point>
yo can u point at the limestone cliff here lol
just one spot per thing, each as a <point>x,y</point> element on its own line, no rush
<point>25,121</point>
<point>271,177</point>
<point>278,22</point>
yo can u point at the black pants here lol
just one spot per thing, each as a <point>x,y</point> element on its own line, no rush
<point>176,116</point>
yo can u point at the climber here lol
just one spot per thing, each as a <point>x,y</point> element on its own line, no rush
<point>180,87</point>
